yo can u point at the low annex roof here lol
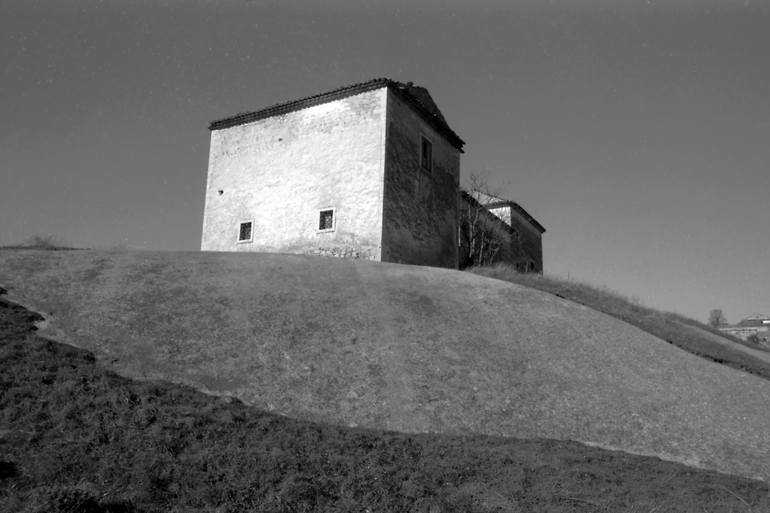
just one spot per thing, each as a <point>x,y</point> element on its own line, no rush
<point>490,201</point>
<point>417,97</point>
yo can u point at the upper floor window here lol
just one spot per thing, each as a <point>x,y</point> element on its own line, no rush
<point>426,155</point>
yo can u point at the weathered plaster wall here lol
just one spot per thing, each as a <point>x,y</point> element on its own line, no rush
<point>280,171</point>
<point>527,247</point>
<point>530,241</point>
<point>510,248</point>
<point>420,208</point>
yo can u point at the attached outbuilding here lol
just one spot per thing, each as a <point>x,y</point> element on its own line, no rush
<point>494,229</point>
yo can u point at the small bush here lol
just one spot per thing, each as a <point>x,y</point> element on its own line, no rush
<point>47,242</point>
<point>41,242</point>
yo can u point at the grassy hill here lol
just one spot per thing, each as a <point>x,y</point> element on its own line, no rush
<point>688,334</point>
<point>397,347</point>
<point>75,437</point>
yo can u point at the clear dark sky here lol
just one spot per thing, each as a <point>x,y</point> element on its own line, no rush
<point>637,132</point>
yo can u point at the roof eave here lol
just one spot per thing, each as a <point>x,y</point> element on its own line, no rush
<point>337,94</point>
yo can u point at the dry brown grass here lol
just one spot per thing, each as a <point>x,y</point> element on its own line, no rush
<point>77,438</point>
<point>397,347</point>
<point>685,333</point>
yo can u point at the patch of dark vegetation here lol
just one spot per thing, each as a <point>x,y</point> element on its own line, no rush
<point>8,469</point>
<point>76,437</point>
<point>673,328</point>
<point>74,499</point>
<point>15,319</point>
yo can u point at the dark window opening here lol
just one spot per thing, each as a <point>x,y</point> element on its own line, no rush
<point>426,155</point>
<point>244,232</point>
<point>326,220</point>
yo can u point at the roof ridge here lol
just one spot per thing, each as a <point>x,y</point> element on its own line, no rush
<point>373,81</point>
<point>402,89</point>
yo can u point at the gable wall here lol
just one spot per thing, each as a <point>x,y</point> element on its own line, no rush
<point>420,208</point>
<point>503,213</point>
<point>281,170</point>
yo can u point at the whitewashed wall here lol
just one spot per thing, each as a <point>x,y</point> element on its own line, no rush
<point>281,170</point>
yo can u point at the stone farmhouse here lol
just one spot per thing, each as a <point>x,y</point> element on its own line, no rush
<point>757,324</point>
<point>370,170</point>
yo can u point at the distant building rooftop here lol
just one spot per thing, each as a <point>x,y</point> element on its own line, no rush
<point>755,320</point>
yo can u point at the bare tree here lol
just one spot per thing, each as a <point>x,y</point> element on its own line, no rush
<point>481,232</point>
<point>717,318</point>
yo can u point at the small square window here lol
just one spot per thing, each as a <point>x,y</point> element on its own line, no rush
<point>326,220</point>
<point>245,231</point>
<point>426,155</point>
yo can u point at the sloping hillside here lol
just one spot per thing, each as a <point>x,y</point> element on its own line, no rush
<point>684,333</point>
<point>406,348</point>
<point>75,437</point>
